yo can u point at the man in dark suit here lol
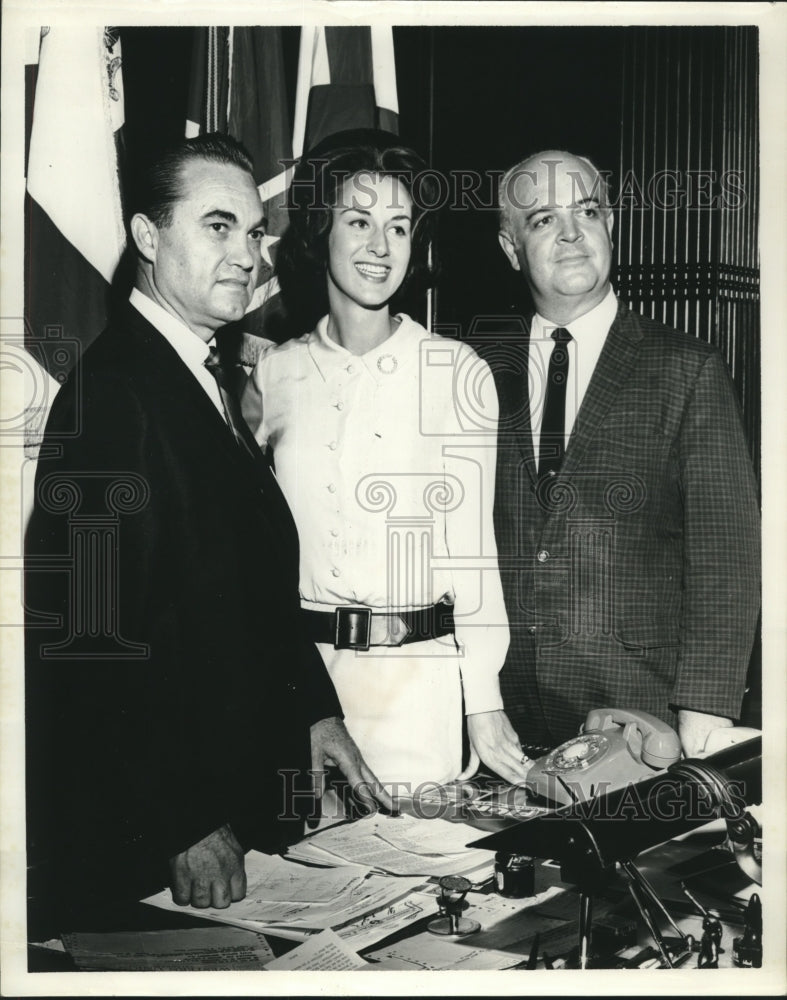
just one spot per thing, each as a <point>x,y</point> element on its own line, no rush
<point>626,510</point>
<point>171,695</point>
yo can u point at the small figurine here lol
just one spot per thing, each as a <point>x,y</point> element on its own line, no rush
<point>710,943</point>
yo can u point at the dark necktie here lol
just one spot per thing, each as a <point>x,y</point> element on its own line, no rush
<point>552,442</point>
<point>232,411</point>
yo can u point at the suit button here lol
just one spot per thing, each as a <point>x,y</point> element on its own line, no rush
<point>532,630</point>
<point>542,556</point>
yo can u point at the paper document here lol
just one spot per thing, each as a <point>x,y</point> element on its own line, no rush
<point>428,952</point>
<point>364,898</point>
<point>377,893</point>
<point>194,949</point>
<point>373,842</point>
<point>426,836</point>
<point>271,878</point>
<point>492,908</point>
<point>322,953</point>
<point>388,920</point>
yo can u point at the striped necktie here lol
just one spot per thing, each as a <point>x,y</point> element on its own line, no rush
<point>229,401</point>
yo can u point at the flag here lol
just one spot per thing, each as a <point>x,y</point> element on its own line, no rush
<point>238,85</point>
<point>346,79</point>
<point>73,216</point>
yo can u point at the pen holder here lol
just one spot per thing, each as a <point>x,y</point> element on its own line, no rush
<point>453,889</point>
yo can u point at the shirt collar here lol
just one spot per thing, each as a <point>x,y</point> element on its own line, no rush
<point>191,349</point>
<point>593,324</point>
<point>386,358</point>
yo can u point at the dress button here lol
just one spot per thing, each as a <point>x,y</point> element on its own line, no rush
<point>334,533</point>
<point>331,487</point>
<point>334,572</point>
<point>542,556</point>
<point>350,369</point>
<point>333,445</point>
<point>339,404</point>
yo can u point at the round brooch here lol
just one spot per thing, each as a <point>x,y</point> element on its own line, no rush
<point>387,364</point>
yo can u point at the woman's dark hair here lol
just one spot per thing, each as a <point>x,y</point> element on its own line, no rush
<point>302,258</point>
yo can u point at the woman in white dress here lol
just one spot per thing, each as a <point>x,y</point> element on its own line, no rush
<point>384,443</point>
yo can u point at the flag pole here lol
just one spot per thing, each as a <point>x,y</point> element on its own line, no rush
<point>431,296</point>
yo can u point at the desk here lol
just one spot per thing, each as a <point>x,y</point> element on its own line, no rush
<point>695,858</point>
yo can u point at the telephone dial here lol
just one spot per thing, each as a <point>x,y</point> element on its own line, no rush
<point>615,747</point>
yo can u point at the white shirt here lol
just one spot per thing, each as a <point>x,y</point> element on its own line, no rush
<point>588,333</point>
<point>191,349</point>
<point>387,461</point>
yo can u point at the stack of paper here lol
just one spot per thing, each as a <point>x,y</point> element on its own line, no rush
<point>399,845</point>
<point>196,949</point>
<point>294,901</point>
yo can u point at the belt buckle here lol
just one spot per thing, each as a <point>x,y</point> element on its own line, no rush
<point>353,628</point>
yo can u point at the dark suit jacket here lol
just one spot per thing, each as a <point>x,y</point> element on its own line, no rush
<point>167,679</point>
<point>631,578</point>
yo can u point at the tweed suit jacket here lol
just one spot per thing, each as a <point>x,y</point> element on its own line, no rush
<point>168,684</point>
<point>632,577</point>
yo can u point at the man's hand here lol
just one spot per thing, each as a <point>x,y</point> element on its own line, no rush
<point>211,873</point>
<point>332,744</point>
<point>695,727</point>
<point>494,740</point>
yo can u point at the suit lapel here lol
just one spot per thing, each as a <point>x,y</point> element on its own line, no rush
<point>151,354</point>
<point>162,366</point>
<point>514,399</point>
<point>617,358</point>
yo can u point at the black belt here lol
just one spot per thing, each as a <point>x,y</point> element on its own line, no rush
<point>360,628</point>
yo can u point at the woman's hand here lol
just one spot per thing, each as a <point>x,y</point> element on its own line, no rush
<point>494,740</point>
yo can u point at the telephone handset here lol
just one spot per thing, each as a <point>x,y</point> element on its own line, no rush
<point>616,747</point>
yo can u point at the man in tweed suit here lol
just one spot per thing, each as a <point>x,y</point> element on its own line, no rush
<point>628,539</point>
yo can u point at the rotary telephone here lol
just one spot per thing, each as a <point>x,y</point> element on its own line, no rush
<point>616,747</point>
